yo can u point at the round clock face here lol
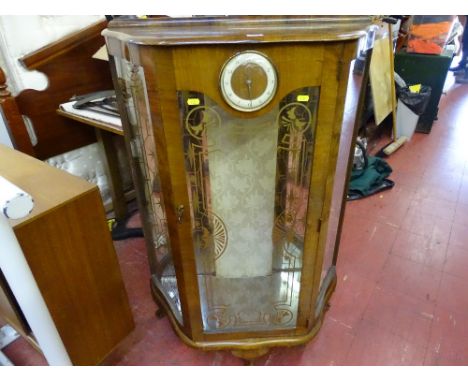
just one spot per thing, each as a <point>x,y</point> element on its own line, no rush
<point>248,81</point>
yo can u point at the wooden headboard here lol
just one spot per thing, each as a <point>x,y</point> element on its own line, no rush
<point>71,70</point>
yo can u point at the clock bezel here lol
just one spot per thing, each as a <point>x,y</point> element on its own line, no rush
<point>225,86</point>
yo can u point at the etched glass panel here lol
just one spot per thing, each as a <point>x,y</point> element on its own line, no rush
<point>144,155</point>
<point>248,182</point>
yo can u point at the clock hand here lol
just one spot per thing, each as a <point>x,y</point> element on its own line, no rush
<point>249,86</point>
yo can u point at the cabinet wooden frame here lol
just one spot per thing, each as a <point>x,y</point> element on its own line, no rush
<point>188,54</point>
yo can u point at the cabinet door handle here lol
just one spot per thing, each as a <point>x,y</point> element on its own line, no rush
<point>180,212</point>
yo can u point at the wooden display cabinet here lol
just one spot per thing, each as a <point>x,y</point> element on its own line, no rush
<point>235,126</point>
<point>67,244</point>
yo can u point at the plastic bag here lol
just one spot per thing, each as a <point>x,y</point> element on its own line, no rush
<point>417,102</point>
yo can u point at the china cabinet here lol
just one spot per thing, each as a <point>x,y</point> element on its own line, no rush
<point>234,125</point>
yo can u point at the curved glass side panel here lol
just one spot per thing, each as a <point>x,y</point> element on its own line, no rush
<point>144,154</point>
<point>248,183</point>
<point>339,185</point>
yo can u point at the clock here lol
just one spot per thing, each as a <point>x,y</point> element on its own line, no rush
<point>248,81</point>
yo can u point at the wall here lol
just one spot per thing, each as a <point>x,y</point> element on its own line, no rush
<point>4,137</point>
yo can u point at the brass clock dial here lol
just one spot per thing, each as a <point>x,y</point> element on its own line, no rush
<point>248,81</point>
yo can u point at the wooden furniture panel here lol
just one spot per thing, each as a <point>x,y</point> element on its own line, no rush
<point>10,112</point>
<point>71,70</point>
<point>67,245</point>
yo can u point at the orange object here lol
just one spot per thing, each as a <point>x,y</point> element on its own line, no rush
<point>431,31</point>
<point>424,46</point>
<point>428,38</point>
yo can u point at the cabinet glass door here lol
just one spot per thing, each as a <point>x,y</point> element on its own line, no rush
<point>145,165</point>
<point>248,183</point>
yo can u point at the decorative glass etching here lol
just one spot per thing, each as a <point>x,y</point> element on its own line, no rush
<point>144,154</point>
<point>248,181</point>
